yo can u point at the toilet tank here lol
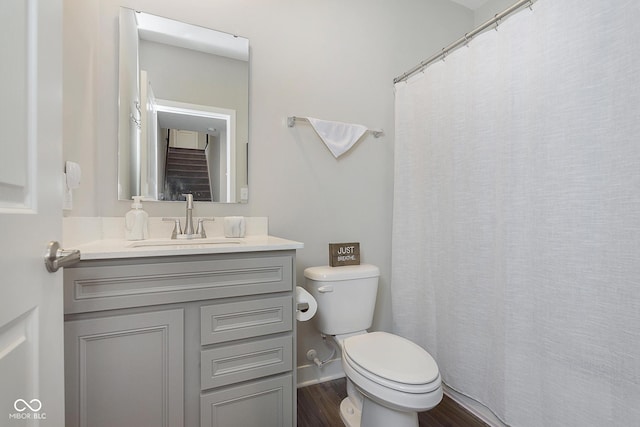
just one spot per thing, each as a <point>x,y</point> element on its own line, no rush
<point>346,297</point>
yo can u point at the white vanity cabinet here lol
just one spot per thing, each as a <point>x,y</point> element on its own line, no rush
<point>192,340</point>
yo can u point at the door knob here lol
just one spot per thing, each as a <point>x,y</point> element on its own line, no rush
<point>56,257</point>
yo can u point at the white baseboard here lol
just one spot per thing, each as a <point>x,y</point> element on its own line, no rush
<point>477,409</point>
<point>312,374</point>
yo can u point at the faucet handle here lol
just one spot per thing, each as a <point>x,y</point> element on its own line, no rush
<point>177,228</point>
<point>201,231</point>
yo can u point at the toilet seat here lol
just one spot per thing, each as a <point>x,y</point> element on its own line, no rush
<point>393,362</point>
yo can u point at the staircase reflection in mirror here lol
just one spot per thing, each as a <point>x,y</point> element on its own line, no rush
<point>186,171</point>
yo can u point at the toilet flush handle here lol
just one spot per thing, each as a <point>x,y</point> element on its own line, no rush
<point>325,288</point>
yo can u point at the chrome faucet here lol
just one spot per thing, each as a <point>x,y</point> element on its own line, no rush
<point>188,233</point>
<point>188,225</point>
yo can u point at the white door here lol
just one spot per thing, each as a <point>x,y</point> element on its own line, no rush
<point>31,320</point>
<point>184,139</point>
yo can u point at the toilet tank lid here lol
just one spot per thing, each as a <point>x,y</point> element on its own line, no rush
<point>326,273</point>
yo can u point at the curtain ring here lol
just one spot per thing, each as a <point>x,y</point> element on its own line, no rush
<point>444,54</point>
<point>531,5</point>
<point>497,21</point>
<point>466,39</point>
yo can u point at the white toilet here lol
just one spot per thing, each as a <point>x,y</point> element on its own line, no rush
<point>389,378</point>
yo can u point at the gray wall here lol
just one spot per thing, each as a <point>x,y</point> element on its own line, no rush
<point>333,60</point>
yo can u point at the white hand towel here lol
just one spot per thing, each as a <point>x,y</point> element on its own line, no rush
<point>339,137</point>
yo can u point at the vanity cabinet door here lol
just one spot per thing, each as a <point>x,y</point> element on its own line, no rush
<point>125,370</point>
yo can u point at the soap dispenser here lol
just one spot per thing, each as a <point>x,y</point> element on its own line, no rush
<point>136,221</point>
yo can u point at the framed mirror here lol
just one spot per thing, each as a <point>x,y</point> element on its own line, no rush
<point>183,111</point>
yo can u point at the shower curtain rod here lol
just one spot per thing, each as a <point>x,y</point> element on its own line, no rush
<point>464,40</point>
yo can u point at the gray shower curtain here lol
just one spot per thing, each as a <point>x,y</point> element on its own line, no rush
<point>516,230</point>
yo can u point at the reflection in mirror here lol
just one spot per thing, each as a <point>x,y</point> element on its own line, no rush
<point>183,120</point>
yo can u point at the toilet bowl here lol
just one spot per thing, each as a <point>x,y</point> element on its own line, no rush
<point>389,378</point>
<point>396,377</point>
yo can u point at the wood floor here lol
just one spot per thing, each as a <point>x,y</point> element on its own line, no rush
<point>319,406</point>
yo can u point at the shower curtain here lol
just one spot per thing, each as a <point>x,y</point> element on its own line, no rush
<point>516,229</point>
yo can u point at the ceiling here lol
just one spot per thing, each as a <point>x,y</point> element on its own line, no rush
<point>184,121</point>
<point>471,4</point>
<point>175,33</point>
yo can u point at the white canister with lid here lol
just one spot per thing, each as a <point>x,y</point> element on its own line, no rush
<point>234,226</point>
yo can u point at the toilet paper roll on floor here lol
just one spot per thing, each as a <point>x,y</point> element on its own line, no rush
<point>302,296</point>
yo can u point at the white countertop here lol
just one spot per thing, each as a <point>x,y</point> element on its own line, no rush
<point>103,238</point>
<point>120,248</point>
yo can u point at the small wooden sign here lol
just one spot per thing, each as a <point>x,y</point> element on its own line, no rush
<point>344,254</point>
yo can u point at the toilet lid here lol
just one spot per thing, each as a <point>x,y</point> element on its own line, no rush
<point>392,357</point>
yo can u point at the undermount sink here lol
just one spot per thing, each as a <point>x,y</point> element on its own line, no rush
<point>183,242</point>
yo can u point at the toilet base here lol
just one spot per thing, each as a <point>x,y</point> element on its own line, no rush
<point>375,415</point>
<point>349,413</point>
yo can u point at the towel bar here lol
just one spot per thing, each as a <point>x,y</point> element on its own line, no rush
<point>291,121</point>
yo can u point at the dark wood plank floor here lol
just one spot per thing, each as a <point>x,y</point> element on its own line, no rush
<point>319,406</point>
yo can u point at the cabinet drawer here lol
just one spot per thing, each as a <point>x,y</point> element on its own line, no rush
<point>265,403</point>
<point>113,284</point>
<point>246,361</point>
<point>245,319</point>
